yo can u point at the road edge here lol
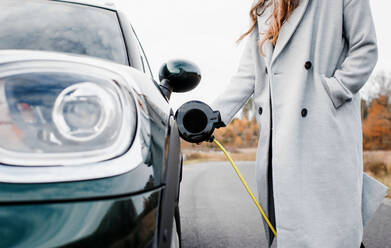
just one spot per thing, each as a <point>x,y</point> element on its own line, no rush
<point>387,202</point>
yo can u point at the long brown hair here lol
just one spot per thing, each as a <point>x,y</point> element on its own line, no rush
<point>281,12</point>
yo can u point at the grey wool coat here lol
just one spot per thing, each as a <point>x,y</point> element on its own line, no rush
<point>307,90</point>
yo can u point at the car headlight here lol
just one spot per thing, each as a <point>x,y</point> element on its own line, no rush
<point>62,114</point>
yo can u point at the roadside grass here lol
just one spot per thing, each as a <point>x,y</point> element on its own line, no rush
<point>376,163</point>
<point>194,157</point>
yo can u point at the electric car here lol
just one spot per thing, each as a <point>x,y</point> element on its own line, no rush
<point>89,147</point>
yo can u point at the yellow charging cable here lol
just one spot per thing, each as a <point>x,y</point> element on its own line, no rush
<point>246,186</point>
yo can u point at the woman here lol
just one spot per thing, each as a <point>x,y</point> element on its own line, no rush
<point>304,63</point>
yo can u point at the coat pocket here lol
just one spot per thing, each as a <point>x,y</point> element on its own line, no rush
<point>337,93</point>
<point>319,78</point>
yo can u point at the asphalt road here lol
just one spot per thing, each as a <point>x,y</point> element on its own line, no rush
<point>216,211</point>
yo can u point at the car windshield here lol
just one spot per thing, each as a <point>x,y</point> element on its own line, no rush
<point>62,27</point>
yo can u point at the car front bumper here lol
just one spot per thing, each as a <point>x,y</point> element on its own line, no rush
<point>122,221</point>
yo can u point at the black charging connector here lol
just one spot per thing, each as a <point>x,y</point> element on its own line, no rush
<point>197,121</point>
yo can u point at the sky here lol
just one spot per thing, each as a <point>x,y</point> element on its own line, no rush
<point>205,31</point>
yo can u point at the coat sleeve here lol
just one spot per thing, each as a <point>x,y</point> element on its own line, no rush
<point>362,54</point>
<point>241,85</point>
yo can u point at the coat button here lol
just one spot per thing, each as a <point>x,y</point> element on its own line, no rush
<point>266,70</point>
<point>304,112</point>
<point>308,65</point>
<point>260,110</point>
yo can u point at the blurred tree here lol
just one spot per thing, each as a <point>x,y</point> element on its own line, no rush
<point>377,125</point>
<point>364,109</point>
<point>238,141</point>
<point>377,116</point>
<point>381,85</point>
<point>248,135</point>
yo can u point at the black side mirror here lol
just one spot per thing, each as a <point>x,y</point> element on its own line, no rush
<point>178,76</point>
<point>197,121</point>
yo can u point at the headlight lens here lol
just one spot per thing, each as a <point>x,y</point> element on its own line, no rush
<point>59,117</point>
<point>83,111</point>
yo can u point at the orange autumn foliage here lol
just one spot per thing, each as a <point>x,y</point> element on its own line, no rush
<point>377,125</point>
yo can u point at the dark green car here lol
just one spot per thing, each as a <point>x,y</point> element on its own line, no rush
<point>89,148</point>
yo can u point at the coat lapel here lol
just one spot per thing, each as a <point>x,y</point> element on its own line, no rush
<point>288,28</point>
<point>268,51</point>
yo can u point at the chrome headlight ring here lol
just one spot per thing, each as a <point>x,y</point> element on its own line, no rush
<point>87,93</point>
